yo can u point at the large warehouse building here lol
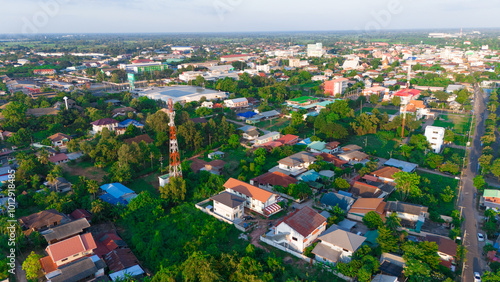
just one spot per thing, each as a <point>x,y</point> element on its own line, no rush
<point>181,93</point>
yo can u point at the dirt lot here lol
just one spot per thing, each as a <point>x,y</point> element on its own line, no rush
<point>90,172</point>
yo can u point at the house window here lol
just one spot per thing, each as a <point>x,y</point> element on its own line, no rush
<point>293,238</point>
<point>64,259</point>
<point>76,255</point>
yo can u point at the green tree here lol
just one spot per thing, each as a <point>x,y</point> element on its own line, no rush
<point>407,184</point>
<point>396,101</point>
<point>393,222</point>
<point>175,190</point>
<point>372,220</point>
<point>387,241</point>
<point>32,265</point>
<point>479,182</point>
<point>234,141</point>
<point>495,168</point>
<point>342,184</point>
<point>374,99</point>
<point>485,162</point>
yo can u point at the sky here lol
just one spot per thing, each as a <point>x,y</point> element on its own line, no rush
<point>148,16</point>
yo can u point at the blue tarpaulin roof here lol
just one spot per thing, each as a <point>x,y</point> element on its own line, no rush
<point>309,176</point>
<point>116,190</point>
<point>333,199</point>
<point>127,122</point>
<point>248,114</point>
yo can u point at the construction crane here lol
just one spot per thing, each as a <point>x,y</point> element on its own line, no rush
<point>174,168</point>
<point>408,84</point>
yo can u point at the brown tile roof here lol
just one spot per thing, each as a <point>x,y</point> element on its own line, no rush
<point>351,147</point>
<point>275,178</point>
<point>104,121</point>
<point>297,159</point>
<point>305,221</point>
<point>333,159</point>
<point>71,246</point>
<point>197,164</point>
<point>41,219</point>
<point>58,137</point>
<point>248,190</point>
<point>386,172</point>
<point>445,245</point>
<point>333,144</point>
<point>81,213</point>
<point>58,158</point>
<point>120,259</point>
<point>365,205</point>
<point>365,190</point>
<point>138,139</point>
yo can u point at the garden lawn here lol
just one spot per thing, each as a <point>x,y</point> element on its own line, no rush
<point>145,184</point>
<point>373,144</point>
<point>459,124</point>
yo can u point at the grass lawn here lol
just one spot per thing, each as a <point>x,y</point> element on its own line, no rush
<point>373,144</point>
<point>147,183</point>
<point>370,109</point>
<point>457,123</point>
<point>439,183</point>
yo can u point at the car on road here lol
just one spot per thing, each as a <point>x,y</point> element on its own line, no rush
<point>480,237</point>
<point>477,277</point>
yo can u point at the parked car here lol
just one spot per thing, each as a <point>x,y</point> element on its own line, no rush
<point>477,277</point>
<point>480,237</point>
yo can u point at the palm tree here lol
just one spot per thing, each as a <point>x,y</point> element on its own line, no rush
<point>97,207</point>
<point>92,187</point>
<point>52,178</point>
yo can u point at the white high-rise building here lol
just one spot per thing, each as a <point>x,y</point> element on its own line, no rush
<point>315,50</point>
<point>435,136</point>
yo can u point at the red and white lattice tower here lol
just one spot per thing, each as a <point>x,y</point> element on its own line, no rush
<point>174,168</point>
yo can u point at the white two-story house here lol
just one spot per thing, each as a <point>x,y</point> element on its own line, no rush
<point>300,229</point>
<point>236,103</point>
<point>256,199</point>
<point>229,205</point>
<point>337,245</point>
<point>435,136</point>
<point>296,163</point>
<point>99,125</point>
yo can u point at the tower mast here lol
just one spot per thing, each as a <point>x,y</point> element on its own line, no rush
<point>174,168</point>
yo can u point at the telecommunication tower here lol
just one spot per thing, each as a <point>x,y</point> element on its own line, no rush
<point>175,160</point>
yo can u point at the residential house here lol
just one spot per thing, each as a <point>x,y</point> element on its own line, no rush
<point>217,155</point>
<point>66,230</point>
<point>337,245</point>
<point>59,158</point>
<point>333,146</point>
<point>84,269</point>
<point>354,157</point>
<point>375,90</point>
<point>81,213</point>
<point>207,104</point>
<point>138,139</point>
<point>332,159</point>
<point>365,190</point>
<point>271,136</point>
<point>236,103</point>
<point>60,184</point>
<point>406,95</point>
<point>363,206</point>
<point>249,132</point>
<point>134,271</point>
<point>59,139</point>
<point>435,136</point>
<point>228,205</point>
<point>384,278</point>
<point>391,264</point>
<point>41,220</point>
<point>330,200</point>
<point>350,148</point>
<point>336,86</point>
<point>214,167</point>
<point>301,228</point>
<point>71,249</point>
<point>124,124</point>
<point>117,193</point>
<point>411,215</point>
<point>123,111</point>
<point>491,199</point>
<point>404,166</point>
<point>288,139</point>
<point>296,163</point>
<point>122,263</point>
<point>317,147</point>
<point>257,199</point>
<point>270,179</point>
<point>99,125</point>
<point>418,108</point>
<point>447,249</point>
<point>386,174</point>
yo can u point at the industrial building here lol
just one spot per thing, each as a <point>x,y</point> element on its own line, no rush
<point>144,67</point>
<point>181,93</point>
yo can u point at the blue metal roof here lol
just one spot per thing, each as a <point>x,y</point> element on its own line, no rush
<point>116,190</point>
<point>309,176</point>
<point>248,114</point>
<point>112,200</point>
<point>306,141</point>
<point>333,199</point>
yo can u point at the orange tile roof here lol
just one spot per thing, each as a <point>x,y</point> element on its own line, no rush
<point>71,246</point>
<point>365,205</point>
<point>248,190</point>
<point>386,172</point>
<point>48,264</point>
<point>305,221</point>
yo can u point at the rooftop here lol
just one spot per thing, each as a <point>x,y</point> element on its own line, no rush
<point>228,199</point>
<point>248,190</point>
<point>305,221</point>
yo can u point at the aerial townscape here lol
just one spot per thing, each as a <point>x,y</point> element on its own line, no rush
<point>249,156</point>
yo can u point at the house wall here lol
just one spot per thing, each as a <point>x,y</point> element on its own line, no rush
<point>228,212</point>
<point>293,168</point>
<point>99,128</point>
<point>72,258</point>
<point>302,242</point>
<point>435,137</point>
<point>406,216</point>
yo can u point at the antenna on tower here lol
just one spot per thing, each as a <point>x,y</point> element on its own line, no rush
<point>174,167</point>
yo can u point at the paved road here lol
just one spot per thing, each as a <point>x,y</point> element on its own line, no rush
<point>475,261</point>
